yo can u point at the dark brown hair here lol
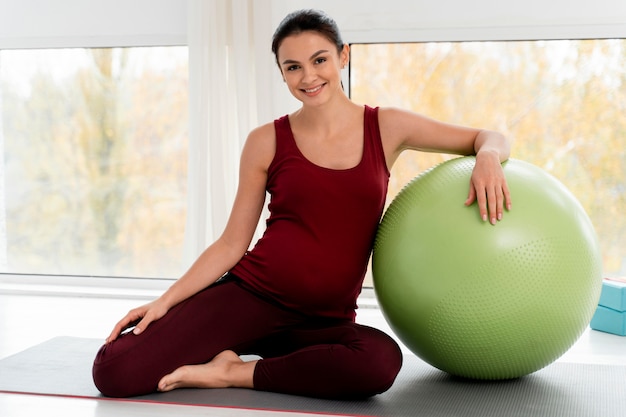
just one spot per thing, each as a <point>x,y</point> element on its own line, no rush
<point>303,21</point>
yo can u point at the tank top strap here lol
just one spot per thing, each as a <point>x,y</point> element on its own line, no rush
<point>373,142</point>
<point>285,143</point>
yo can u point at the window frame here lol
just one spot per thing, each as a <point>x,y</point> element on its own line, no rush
<point>73,23</point>
<point>89,24</point>
<point>395,24</point>
<point>602,181</point>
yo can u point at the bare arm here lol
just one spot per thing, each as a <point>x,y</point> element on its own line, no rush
<point>403,130</point>
<point>228,249</point>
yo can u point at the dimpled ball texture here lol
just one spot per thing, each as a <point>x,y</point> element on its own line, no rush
<point>481,301</point>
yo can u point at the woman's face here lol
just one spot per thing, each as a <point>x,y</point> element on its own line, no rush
<point>311,66</point>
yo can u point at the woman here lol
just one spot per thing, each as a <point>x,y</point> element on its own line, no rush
<point>291,300</point>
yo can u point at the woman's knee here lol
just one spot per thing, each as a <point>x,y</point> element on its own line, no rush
<point>109,374</point>
<point>374,363</point>
<point>105,376</point>
<point>384,364</point>
<point>118,375</point>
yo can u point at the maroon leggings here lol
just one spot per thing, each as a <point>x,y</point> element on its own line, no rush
<point>301,355</point>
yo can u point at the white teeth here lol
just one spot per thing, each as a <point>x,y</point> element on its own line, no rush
<point>312,90</point>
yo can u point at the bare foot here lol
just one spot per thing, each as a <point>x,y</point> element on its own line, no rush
<point>224,370</point>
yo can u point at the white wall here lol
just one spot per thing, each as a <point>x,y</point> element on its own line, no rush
<point>92,23</point>
<point>389,20</point>
<point>40,23</point>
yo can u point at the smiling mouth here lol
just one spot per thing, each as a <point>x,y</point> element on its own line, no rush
<point>313,90</point>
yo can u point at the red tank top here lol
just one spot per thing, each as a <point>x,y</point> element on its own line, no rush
<point>314,253</point>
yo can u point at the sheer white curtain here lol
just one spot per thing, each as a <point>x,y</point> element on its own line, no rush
<point>3,225</point>
<point>223,107</point>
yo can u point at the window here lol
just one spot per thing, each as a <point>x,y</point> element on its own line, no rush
<point>562,102</point>
<point>94,145</point>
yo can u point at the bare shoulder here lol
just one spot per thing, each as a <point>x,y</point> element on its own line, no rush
<point>397,120</point>
<point>260,145</point>
<point>395,126</point>
<point>262,135</point>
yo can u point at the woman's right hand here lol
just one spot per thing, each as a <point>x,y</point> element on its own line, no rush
<point>140,317</point>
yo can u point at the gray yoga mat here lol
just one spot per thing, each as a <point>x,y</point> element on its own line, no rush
<point>62,367</point>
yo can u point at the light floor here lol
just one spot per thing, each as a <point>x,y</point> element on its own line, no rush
<point>26,320</point>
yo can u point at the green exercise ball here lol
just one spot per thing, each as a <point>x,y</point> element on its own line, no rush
<point>482,301</point>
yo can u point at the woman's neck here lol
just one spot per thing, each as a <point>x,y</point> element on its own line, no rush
<point>328,116</point>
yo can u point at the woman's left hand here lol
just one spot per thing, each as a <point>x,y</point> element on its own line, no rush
<point>489,188</point>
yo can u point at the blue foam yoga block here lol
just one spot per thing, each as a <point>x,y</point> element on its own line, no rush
<point>610,321</point>
<point>613,294</point>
